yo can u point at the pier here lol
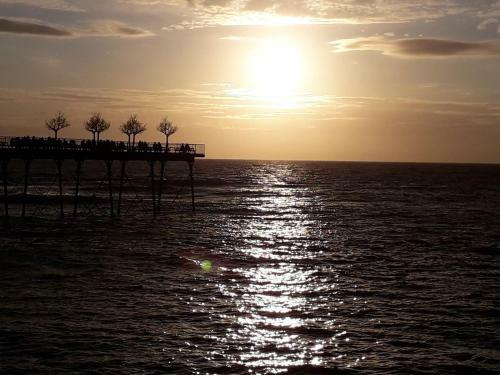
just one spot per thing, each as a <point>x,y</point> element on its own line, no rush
<point>28,149</point>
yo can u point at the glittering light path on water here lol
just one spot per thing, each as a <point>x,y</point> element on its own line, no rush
<point>285,297</point>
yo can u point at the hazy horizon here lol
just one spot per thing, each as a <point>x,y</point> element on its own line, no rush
<point>347,80</point>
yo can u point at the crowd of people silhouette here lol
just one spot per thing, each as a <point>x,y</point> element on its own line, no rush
<point>90,145</point>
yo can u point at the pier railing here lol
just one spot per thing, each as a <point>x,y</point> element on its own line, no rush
<point>85,145</point>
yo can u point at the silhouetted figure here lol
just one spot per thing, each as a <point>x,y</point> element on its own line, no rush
<point>87,145</point>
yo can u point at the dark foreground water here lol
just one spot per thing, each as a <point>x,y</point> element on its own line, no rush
<point>303,268</point>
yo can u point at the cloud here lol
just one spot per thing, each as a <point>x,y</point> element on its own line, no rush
<point>31,28</point>
<point>418,47</point>
<point>202,13</point>
<point>491,9</point>
<point>98,28</point>
<point>190,14</point>
<point>130,31</point>
<point>486,23</point>
<point>234,38</point>
<point>47,61</point>
<point>226,103</point>
<point>60,5</point>
<point>217,100</point>
<point>112,28</point>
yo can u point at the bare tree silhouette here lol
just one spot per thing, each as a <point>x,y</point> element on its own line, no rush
<point>127,128</point>
<point>57,123</point>
<point>96,125</point>
<point>102,126</point>
<point>91,125</point>
<point>132,128</point>
<point>168,128</point>
<point>138,128</point>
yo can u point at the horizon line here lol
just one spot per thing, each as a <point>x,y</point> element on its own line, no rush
<point>356,161</point>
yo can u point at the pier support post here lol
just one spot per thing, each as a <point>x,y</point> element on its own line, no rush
<point>27,165</point>
<point>77,185</point>
<point>162,173</point>
<point>192,183</point>
<point>120,190</point>
<point>109,164</point>
<point>152,174</point>
<point>59,179</point>
<point>5,164</point>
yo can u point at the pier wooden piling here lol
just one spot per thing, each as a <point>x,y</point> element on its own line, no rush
<point>109,165</point>
<point>160,189</point>
<point>192,184</point>
<point>27,165</point>
<point>120,189</point>
<point>60,185</point>
<point>5,176</point>
<point>152,175</point>
<point>77,185</point>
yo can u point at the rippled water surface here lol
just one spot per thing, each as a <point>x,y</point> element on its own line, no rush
<point>285,267</point>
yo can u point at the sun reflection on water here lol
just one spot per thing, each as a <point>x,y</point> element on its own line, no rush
<point>279,294</point>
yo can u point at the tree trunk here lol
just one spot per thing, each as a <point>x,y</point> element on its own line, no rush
<point>93,135</point>
<point>98,136</point>
<point>128,135</point>
<point>55,134</point>
<point>133,141</point>
<point>166,144</point>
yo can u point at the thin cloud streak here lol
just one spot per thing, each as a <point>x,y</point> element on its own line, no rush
<point>59,5</point>
<point>111,28</point>
<point>418,47</point>
<point>31,28</point>
<point>98,28</point>
<point>223,104</point>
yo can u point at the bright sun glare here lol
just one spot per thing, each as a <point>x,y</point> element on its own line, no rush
<point>275,69</point>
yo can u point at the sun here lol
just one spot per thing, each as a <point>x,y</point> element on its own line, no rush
<point>275,69</point>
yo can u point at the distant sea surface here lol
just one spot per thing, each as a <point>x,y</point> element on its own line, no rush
<point>285,267</point>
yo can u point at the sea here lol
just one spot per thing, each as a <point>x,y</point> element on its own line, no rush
<point>284,267</point>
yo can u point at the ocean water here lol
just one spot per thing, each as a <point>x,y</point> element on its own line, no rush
<point>285,267</point>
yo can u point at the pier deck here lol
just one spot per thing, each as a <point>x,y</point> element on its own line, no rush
<point>47,148</point>
<point>81,150</point>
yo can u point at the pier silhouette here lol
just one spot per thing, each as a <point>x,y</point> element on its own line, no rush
<point>59,150</point>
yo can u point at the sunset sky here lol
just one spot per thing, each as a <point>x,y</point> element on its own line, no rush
<point>391,80</point>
